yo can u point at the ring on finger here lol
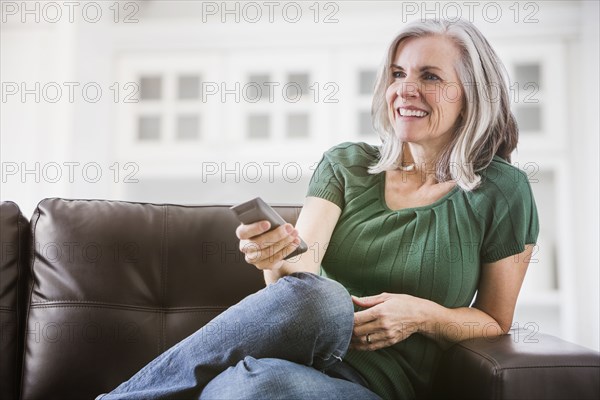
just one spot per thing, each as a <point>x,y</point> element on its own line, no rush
<point>369,338</point>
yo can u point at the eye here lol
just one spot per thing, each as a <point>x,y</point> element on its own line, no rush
<point>398,74</point>
<point>428,76</point>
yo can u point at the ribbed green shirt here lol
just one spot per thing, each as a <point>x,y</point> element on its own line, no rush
<point>434,251</point>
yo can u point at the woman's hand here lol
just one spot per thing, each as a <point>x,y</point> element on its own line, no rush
<point>266,250</point>
<point>388,319</point>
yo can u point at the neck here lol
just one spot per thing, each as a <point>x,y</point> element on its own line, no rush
<point>420,160</point>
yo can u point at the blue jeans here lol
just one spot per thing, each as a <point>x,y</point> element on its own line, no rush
<point>285,341</point>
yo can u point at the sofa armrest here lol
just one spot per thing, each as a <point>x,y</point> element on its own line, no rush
<point>14,244</point>
<point>521,365</point>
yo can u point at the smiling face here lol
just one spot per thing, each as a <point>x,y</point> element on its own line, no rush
<point>424,97</point>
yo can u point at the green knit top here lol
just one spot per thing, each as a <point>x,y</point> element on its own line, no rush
<point>434,251</point>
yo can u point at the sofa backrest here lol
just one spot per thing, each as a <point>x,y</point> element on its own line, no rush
<point>114,284</point>
<point>13,266</point>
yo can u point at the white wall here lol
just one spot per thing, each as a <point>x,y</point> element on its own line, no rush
<point>584,182</point>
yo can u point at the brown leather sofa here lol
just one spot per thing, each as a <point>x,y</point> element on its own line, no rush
<point>91,290</point>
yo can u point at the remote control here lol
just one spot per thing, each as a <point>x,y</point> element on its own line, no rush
<point>257,210</point>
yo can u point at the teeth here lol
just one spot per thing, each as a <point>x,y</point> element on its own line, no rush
<point>411,113</point>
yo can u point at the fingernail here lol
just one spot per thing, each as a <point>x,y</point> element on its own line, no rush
<point>297,241</point>
<point>265,225</point>
<point>289,228</point>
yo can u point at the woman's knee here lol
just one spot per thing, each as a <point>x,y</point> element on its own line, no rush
<point>325,297</point>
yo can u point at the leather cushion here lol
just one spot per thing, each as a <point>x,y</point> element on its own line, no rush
<point>117,283</point>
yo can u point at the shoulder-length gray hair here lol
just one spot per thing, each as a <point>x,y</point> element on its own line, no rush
<point>486,126</point>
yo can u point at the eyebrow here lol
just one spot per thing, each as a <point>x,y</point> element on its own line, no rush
<point>423,68</point>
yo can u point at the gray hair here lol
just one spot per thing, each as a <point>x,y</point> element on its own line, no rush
<point>486,126</point>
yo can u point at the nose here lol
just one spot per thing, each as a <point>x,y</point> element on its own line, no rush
<point>408,89</point>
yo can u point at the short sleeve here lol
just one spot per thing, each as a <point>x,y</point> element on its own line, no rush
<point>513,220</point>
<point>326,183</point>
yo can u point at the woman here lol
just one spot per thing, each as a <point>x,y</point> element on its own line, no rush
<point>412,230</point>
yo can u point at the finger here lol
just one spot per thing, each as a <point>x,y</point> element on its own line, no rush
<point>276,260</point>
<point>365,316</point>
<point>375,339</point>
<point>248,231</point>
<point>362,338</point>
<point>267,239</point>
<point>376,344</point>
<point>261,250</point>
<point>370,301</point>
<point>272,253</point>
<point>361,343</point>
<point>363,330</point>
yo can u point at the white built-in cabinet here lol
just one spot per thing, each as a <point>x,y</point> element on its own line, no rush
<point>538,72</point>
